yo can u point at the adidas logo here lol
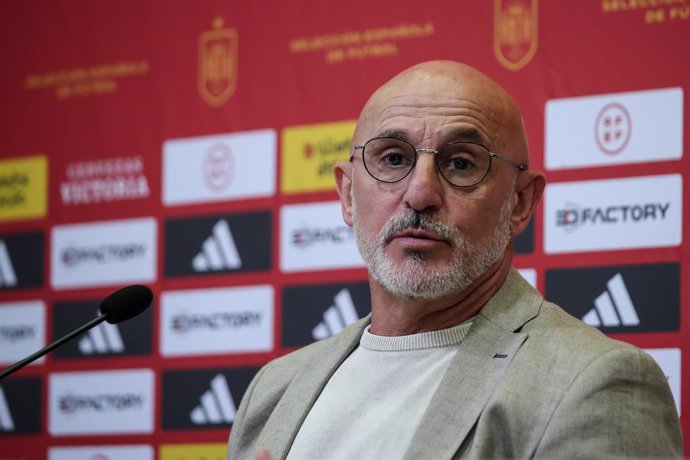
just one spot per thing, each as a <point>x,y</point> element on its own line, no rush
<point>216,405</point>
<point>6,422</point>
<point>337,317</point>
<point>218,251</point>
<point>7,275</point>
<point>613,307</point>
<point>104,338</point>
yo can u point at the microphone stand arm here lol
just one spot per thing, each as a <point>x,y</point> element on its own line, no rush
<point>18,365</point>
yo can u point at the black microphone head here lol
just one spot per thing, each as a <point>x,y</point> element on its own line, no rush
<point>126,303</point>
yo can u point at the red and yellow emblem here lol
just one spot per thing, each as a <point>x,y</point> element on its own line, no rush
<point>515,32</point>
<point>217,64</point>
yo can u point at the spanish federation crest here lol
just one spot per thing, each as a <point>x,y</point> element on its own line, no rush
<point>515,32</point>
<point>217,64</point>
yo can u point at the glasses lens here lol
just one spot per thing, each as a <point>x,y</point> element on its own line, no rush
<point>388,159</point>
<point>464,163</point>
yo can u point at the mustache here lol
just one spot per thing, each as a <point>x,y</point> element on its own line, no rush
<point>415,220</point>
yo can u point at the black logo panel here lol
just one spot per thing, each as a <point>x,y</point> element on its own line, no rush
<point>132,337</point>
<point>21,260</point>
<point>626,298</point>
<point>203,399</point>
<point>22,400</point>
<point>313,313</point>
<point>218,244</point>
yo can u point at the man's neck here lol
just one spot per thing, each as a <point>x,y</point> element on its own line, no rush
<point>395,316</point>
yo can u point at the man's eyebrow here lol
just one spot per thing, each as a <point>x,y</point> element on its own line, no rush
<point>465,135</point>
<point>396,133</point>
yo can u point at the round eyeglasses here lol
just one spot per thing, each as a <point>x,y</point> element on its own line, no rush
<point>462,164</point>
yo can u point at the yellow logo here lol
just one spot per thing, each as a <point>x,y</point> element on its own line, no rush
<point>515,32</point>
<point>217,451</point>
<point>23,184</point>
<point>309,153</point>
<point>217,64</point>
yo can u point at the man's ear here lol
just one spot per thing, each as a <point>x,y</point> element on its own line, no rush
<point>528,190</point>
<point>343,184</point>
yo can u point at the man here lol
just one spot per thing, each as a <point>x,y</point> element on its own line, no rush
<point>460,357</point>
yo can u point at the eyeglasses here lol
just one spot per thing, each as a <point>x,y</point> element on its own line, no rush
<point>462,164</point>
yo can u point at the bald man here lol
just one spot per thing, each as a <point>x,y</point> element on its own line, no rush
<point>460,357</point>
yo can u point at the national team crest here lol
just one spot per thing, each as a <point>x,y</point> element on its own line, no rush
<point>515,32</point>
<point>217,64</point>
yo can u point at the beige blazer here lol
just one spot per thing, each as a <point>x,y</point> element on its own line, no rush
<point>529,380</point>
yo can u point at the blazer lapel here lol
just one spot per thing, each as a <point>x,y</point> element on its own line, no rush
<point>482,358</point>
<point>294,405</point>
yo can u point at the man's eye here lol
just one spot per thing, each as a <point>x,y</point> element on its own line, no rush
<point>393,159</point>
<point>461,164</point>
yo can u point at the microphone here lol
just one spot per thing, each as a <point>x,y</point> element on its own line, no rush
<point>119,306</point>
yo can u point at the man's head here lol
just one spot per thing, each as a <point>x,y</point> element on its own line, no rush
<point>421,236</point>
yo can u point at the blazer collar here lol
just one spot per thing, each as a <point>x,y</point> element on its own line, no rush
<point>483,357</point>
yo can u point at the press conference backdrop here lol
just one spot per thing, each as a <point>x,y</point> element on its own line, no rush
<point>189,145</point>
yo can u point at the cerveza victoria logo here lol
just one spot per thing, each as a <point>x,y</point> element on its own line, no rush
<point>129,338</point>
<point>22,329</point>
<point>101,402</point>
<point>203,398</point>
<point>21,260</point>
<point>217,244</point>
<point>313,313</point>
<point>626,298</point>
<point>628,213</point>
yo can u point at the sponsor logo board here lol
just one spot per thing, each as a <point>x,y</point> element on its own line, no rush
<point>313,313</point>
<point>20,411</point>
<point>309,154</point>
<point>206,398</point>
<point>213,321</point>
<point>104,181</point>
<point>220,167</point>
<point>103,253</point>
<point>21,260</point>
<point>668,360</point>
<point>515,32</point>
<point>200,451</point>
<point>23,184</point>
<point>619,128</point>
<point>22,330</point>
<point>129,338</point>
<point>138,452</point>
<point>102,402</point>
<point>218,244</point>
<point>314,236</point>
<point>625,298</point>
<point>629,213</point>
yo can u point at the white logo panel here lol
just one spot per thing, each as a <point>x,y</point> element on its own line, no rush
<point>630,213</point>
<point>22,330</point>
<point>314,236</point>
<point>668,360</point>
<point>530,274</point>
<point>103,253</point>
<point>222,167</point>
<point>101,402</point>
<point>213,321</point>
<point>138,452</point>
<point>620,128</point>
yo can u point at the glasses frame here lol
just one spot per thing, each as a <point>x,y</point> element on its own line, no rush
<point>435,152</point>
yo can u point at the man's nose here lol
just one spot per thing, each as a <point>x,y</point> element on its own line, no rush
<point>424,185</point>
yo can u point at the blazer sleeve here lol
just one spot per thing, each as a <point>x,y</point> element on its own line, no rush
<point>619,406</point>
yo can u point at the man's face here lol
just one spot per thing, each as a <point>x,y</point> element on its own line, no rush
<point>423,238</point>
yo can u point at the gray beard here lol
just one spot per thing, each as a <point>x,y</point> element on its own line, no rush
<point>414,279</point>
